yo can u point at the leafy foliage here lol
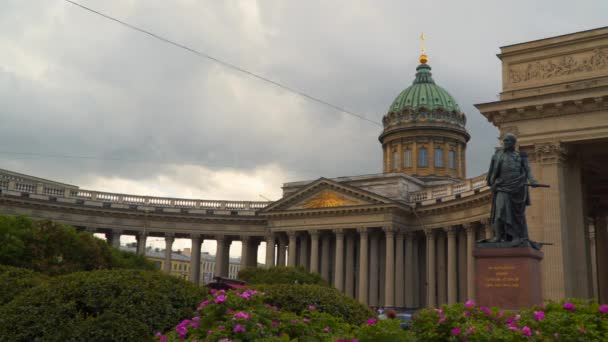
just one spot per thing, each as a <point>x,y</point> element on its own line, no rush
<point>116,305</point>
<point>243,316</point>
<point>387,330</point>
<point>14,280</point>
<point>297,298</point>
<point>280,275</point>
<point>569,320</point>
<point>52,248</point>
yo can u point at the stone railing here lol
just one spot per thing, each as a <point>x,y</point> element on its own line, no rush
<point>431,195</point>
<point>45,191</point>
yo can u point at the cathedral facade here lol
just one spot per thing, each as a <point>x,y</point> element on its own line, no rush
<point>405,237</point>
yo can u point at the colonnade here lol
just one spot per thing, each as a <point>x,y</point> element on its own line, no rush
<point>387,266</point>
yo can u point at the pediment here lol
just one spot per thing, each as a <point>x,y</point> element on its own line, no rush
<point>324,194</point>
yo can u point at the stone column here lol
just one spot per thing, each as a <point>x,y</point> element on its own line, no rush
<point>270,250</point>
<point>252,252</point>
<point>430,269</point>
<point>281,251</point>
<point>314,251</point>
<point>409,270</point>
<point>349,283</point>
<point>374,268</point>
<point>399,267</point>
<point>389,275</point>
<point>195,259</point>
<point>363,267</point>
<point>417,272</point>
<point>303,251</point>
<point>462,265</point>
<point>169,238</point>
<point>452,257</point>
<point>470,229</point>
<point>226,258</point>
<point>141,238</point>
<point>115,238</point>
<point>442,290</point>
<point>245,240</point>
<point>292,244</point>
<point>339,262</point>
<point>219,256</point>
<point>325,259</point>
<point>592,257</point>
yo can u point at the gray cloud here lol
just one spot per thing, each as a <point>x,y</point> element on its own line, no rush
<point>72,83</point>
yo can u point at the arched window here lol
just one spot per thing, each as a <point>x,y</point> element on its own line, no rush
<point>407,158</point>
<point>452,161</point>
<point>395,160</point>
<point>423,159</point>
<point>438,157</point>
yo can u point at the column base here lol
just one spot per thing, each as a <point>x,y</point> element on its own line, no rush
<point>509,278</point>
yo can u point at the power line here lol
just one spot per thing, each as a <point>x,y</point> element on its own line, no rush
<point>224,63</point>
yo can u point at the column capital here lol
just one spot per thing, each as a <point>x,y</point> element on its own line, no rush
<point>291,233</point>
<point>339,231</point>
<point>219,238</point>
<point>363,230</point>
<point>469,227</point>
<point>451,230</point>
<point>314,233</point>
<point>485,221</point>
<point>169,235</point>
<point>195,236</point>
<point>141,234</point>
<point>246,238</point>
<point>400,234</point>
<point>430,234</point>
<point>553,152</point>
<point>389,229</point>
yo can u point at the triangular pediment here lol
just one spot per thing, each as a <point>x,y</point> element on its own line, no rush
<point>324,194</point>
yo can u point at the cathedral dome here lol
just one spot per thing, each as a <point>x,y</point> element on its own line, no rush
<point>424,130</point>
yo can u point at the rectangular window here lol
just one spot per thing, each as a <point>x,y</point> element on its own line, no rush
<point>438,157</point>
<point>452,160</point>
<point>407,158</point>
<point>423,160</point>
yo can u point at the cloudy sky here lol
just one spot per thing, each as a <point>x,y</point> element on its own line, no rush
<point>154,119</point>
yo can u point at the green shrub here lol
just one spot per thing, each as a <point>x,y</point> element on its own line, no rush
<point>387,330</point>
<point>54,249</point>
<point>105,305</point>
<point>14,280</point>
<point>298,298</point>
<point>280,275</point>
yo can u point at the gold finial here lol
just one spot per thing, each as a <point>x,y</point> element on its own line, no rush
<point>423,57</point>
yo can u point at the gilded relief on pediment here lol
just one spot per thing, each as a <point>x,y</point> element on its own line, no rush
<point>328,199</point>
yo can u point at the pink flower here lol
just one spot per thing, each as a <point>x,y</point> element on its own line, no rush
<point>439,312</point>
<point>326,330</point>
<point>220,299</point>
<point>241,315</point>
<point>441,320</point>
<point>239,328</point>
<point>305,320</point>
<point>213,291</point>
<point>569,306</point>
<point>526,331</point>
<point>539,315</point>
<point>469,304</point>
<point>604,309</point>
<point>312,308</point>
<point>163,339</point>
<point>209,332</point>
<point>202,305</point>
<point>274,324</point>
<point>467,313</point>
<point>485,310</point>
<point>581,329</point>
<point>294,321</point>
<point>513,327</point>
<point>455,331</point>
<point>470,330</point>
<point>517,317</point>
<point>372,321</point>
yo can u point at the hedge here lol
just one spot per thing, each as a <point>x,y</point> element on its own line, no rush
<point>14,280</point>
<point>298,298</point>
<point>280,275</point>
<point>117,305</point>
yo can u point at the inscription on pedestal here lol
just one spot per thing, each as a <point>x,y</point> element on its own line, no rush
<point>503,276</point>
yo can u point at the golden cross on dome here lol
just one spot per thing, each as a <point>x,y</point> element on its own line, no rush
<point>423,57</point>
<point>423,49</point>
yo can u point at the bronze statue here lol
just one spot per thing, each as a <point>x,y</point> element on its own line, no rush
<point>509,178</point>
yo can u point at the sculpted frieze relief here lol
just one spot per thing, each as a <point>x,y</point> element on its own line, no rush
<point>562,66</point>
<point>550,152</point>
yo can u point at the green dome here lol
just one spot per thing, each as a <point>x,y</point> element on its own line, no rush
<point>424,93</point>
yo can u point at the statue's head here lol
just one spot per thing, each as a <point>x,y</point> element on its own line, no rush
<point>508,141</point>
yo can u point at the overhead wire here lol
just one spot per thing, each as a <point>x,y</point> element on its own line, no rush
<point>225,63</point>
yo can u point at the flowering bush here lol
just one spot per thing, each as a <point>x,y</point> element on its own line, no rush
<point>243,316</point>
<point>569,320</point>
